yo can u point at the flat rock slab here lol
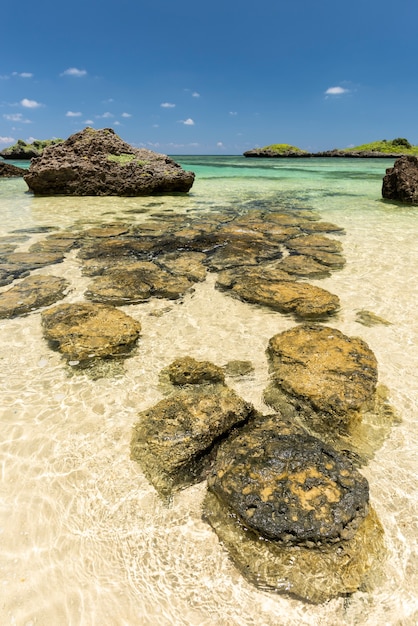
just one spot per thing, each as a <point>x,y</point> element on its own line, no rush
<point>82,331</point>
<point>98,163</point>
<point>303,300</point>
<point>329,377</point>
<point>174,441</point>
<point>189,371</point>
<point>8,171</point>
<point>32,293</point>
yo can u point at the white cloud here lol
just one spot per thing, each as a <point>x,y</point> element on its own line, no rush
<point>167,105</point>
<point>336,91</point>
<point>195,94</point>
<point>126,115</point>
<point>188,122</point>
<point>73,71</point>
<point>220,144</point>
<point>30,104</point>
<point>156,126</point>
<point>16,117</point>
<point>73,114</point>
<point>7,140</point>
<point>233,113</point>
<point>23,74</point>
<point>89,122</point>
<point>105,116</point>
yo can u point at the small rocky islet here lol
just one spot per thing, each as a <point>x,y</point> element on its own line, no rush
<point>285,495</point>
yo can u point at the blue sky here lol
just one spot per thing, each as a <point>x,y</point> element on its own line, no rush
<point>218,77</point>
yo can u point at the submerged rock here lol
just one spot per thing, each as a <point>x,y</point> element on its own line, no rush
<point>401,181</point>
<point>188,371</point>
<point>293,514</point>
<point>98,163</point>
<point>175,440</point>
<point>325,377</point>
<point>32,293</point>
<point>82,331</point>
<point>271,288</point>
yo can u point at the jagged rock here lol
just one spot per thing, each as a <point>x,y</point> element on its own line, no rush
<point>82,331</point>
<point>98,163</point>
<point>174,441</point>
<point>401,181</point>
<point>293,514</point>
<point>32,293</point>
<point>327,378</point>
<point>8,171</point>
<point>266,288</point>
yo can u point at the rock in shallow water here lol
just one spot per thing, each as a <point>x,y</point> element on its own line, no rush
<point>293,514</point>
<point>82,331</point>
<point>32,293</point>
<point>98,163</point>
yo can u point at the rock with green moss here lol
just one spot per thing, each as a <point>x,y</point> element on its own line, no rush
<point>277,150</point>
<point>26,151</point>
<point>98,163</point>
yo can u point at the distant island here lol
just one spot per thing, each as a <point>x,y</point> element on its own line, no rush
<point>25,151</point>
<point>394,148</point>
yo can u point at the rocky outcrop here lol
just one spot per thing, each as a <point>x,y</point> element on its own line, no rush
<point>32,293</point>
<point>400,182</point>
<point>9,171</point>
<point>98,163</point>
<point>83,331</point>
<point>22,151</point>
<point>293,514</point>
<point>175,441</point>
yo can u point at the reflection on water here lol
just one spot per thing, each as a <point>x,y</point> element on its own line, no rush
<point>85,540</point>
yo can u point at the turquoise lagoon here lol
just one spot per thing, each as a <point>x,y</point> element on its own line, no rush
<point>85,541</point>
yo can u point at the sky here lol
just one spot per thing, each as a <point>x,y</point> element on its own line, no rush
<point>218,77</point>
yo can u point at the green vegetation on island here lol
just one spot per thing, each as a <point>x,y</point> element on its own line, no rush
<point>283,148</point>
<point>400,145</point>
<point>25,151</point>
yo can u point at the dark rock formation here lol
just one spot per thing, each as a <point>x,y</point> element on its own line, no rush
<point>98,163</point>
<point>83,331</point>
<point>400,182</point>
<point>32,293</point>
<point>9,171</point>
<point>175,441</point>
<point>268,153</point>
<point>293,514</point>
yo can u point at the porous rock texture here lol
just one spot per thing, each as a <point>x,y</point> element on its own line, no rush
<point>98,163</point>
<point>401,181</point>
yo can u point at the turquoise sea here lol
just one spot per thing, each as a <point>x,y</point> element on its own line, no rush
<point>85,540</point>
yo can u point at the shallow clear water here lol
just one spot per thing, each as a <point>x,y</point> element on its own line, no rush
<point>84,538</point>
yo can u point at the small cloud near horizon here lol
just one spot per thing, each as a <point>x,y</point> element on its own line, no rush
<point>89,121</point>
<point>7,140</point>
<point>195,94</point>
<point>188,122</point>
<point>73,114</point>
<point>126,115</point>
<point>23,74</point>
<point>30,104</point>
<point>105,116</point>
<point>336,91</point>
<point>74,71</point>
<point>167,105</point>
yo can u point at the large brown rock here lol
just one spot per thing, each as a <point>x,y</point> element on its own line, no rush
<point>175,440</point>
<point>401,181</point>
<point>328,378</point>
<point>98,163</point>
<point>293,514</point>
<point>83,331</point>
